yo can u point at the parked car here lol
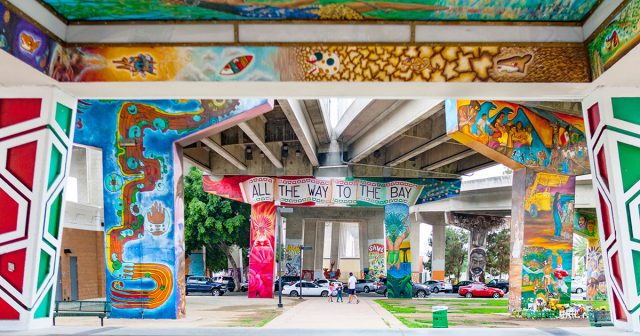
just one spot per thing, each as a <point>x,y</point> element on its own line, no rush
<point>286,280</point>
<point>363,285</point>
<point>227,281</point>
<point>200,284</point>
<point>500,284</point>
<point>418,290</point>
<point>578,286</point>
<point>457,286</point>
<point>477,289</point>
<point>322,282</point>
<point>439,286</point>
<point>308,289</point>
<point>244,286</point>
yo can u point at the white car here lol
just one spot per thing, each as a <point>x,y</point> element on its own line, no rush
<point>308,289</point>
<point>578,286</point>
<point>322,283</point>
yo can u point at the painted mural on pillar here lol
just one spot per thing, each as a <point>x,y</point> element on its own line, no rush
<point>620,35</point>
<point>292,257</point>
<point>376,255</point>
<point>198,10</point>
<point>396,225</point>
<point>548,239</point>
<point>142,182</point>
<point>519,136</point>
<point>586,225</point>
<point>262,250</point>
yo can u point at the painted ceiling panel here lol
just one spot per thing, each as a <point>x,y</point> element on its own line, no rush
<point>418,10</point>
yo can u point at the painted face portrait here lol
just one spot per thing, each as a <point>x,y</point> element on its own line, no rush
<point>478,261</point>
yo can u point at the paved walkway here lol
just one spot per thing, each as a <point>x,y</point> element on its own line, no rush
<point>317,313</point>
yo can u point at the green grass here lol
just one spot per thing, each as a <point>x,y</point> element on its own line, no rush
<point>267,319</point>
<point>483,310</point>
<point>596,304</point>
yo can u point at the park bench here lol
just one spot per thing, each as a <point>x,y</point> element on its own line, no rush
<point>100,309</point>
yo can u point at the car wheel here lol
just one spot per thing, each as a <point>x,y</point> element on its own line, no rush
<point>385,293</point>
<point>421,294</point>
<point>186,293</point>
<point>216,292</point>
<point>324,293</point>
<point>435,290</point>
<point>496,295</point>
<point>293,293</point>
<point>468,295</point>
<point>579,291</point>
<point>366,289</point>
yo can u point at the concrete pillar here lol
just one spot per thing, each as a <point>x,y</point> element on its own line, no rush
<point>438,251</point>
<point>416,261</point>
<point>398,244</point>
<point>309,236</point>
<point>364,245</point>
<point>262,255</point>
<point>335,245</point>
<point>319,250</point>
<point>541,238</point>
<point>36,132</point>
<point>613,125</point>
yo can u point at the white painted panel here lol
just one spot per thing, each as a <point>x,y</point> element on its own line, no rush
<point>150,33</point>
<point>599,15</point>
<point>324,33</point>
<point>41,15</point>
<point>500,33</point>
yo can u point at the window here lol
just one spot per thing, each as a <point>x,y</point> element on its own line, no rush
<point>349,240</point>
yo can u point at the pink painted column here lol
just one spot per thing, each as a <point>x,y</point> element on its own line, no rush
<point>262,254</point>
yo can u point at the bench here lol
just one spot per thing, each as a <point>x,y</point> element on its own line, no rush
<point>100,309</point>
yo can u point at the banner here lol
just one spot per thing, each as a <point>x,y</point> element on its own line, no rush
<point>311,191</point>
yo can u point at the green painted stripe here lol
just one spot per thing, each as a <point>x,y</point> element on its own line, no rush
<point>44,267</point>
<point>626,109</point>
<point>628,209</point>
<point>629,156</point>
<point>620,130</point>
<point>44,309</point>
<point>55,165</point>
<point>63,118</point>
<point>636,269</point>
<point>54,215</point>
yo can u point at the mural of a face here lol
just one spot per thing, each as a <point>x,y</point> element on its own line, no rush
<point>477,262</point>
<point>324,62</point>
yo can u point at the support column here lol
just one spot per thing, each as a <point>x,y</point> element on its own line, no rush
<point>612,116</point>
<point>398,242</point>
<point>438,251</point>
<point>262,255</point>
<point>36,132</point>
<point>541,238</point>
<point>416,262</point>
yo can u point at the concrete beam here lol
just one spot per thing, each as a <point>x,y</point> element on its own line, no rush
<point>350,115</point>
<point>407,114</point>
<point>294,110</point>
<point>254,129</point>
<point>451,159</point>
<point>419,150</point>
<point>224,153</point>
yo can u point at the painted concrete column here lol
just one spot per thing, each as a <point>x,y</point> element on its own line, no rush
<point>36,132</point>
<point>438,251</point>
<point>542,221</point>
<point>398,244</point>
<point>262,254</point>
<point>612,116</point>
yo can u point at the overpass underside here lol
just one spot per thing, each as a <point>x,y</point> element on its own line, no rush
<point>361,104</point>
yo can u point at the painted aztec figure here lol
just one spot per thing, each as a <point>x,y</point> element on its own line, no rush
<point>519,136</point>
<point>143,190</point>
<point>510,10</point>
<point>395,195</point>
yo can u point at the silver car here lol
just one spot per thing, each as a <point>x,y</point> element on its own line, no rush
<point>365,286</point>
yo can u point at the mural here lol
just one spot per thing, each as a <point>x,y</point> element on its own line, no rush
<point>518,136</point>
<point>324,63</point>
<point>376,254</point>
<point>585,224</point>
<point>262,254</point>
<point>143,229</point>
<point>396,225</point>
<point>292,255</point>
<point>548,238</point>
<point>620,35</point>
<point>427,10</point>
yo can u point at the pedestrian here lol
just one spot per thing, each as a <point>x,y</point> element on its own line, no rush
<point>352,288</point>
<point>331,289</point>
<point>339,292</point>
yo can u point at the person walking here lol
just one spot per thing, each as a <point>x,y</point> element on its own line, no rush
<point>331,289</point>
<point>352,289</point>
<point>339,292</point>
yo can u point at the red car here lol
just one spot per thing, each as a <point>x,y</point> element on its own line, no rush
<point>480,290</point>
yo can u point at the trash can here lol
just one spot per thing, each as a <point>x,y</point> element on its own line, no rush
<point>440,316</point>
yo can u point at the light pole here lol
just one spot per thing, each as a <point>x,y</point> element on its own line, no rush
<point>302,249</point>
<point>280,250</point>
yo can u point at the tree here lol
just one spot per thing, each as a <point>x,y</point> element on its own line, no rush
<point>580,246</point>
<point>215,223</point>
<point>455,250</point>
<point>498,252</point>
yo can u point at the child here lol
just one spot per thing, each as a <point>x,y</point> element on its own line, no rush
<point>339,291</point>
<point>331,289</point>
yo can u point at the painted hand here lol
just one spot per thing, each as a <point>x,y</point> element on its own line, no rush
<point>156,215</point>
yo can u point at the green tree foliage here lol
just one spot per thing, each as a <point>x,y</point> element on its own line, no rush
<point>215,223</point>
<point>498,252</point>
<point>580,245</point>
<point>456,241</point>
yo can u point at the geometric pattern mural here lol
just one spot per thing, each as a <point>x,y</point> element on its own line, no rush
<point>35,142</point>
<point>613,119</point>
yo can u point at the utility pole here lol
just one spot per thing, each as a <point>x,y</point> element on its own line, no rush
<point>302,249</point>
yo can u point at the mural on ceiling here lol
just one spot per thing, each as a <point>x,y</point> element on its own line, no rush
<point>143,225</point>
<point>515,135</point>
<point>427,63</point>
<point>620,35</point>
<point>547,251</point>
<point>424,10</point>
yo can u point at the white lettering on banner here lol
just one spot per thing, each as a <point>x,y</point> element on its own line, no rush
<point>329,192</point>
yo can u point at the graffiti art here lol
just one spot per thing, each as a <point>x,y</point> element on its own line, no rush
<point>143,224</point>
<point>510,10</point>
<point>396,225</point>
<point>518,136</point>
<point>376,254</point>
